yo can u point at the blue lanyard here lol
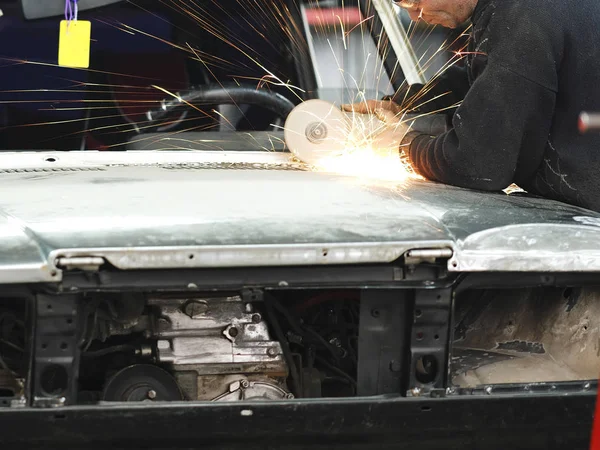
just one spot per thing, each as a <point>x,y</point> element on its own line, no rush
<point>71,10</point>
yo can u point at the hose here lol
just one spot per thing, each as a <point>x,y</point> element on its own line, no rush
<point>223,95</point>
<point>285,347</point>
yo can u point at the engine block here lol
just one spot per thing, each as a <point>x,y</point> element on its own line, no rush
<point>211,343</point>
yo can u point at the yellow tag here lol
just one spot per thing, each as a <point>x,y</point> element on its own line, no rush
<point>74,43</point>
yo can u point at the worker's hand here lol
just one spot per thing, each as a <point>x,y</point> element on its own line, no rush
<point>385,110</point>
<point>389,113</point>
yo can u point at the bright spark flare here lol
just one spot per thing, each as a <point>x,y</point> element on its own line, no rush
<point>368,163</point>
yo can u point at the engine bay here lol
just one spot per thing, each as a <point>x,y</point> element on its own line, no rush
<point>169,347</point>
<point>223,348</point>
<point>102,348</point>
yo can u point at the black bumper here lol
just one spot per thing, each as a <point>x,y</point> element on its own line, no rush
<point>504,422</point>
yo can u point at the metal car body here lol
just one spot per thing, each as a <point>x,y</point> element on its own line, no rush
<point>155,210</point>
<point>184,297</point>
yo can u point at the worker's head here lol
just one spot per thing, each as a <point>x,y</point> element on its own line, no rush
<point>448,13</point>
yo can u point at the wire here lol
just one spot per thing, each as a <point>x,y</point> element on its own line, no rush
<point>4,365</point>
<point>285,347</point>
<point>11,345</point>
<point>109,350</point>
<point>303,331</point>
<point>337,370</point>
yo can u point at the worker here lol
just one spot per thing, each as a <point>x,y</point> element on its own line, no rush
<point>531,67</point>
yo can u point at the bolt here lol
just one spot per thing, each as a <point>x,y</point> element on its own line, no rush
<point>163,345</point>
<point>245,384</point>
<point>249,307</point>
<point>335,342</point>
<point>256,318</point>
<point>416,391</point>
<point>586,386</point>
<point>233,332</point>
<point>289,396</point>
<point>163,324</point>
<point>375,313</point>
<point>272,351</point>
<point>395,366</point>
<point>151,394</point>
<point>488,390</point>
<point>195,308</point>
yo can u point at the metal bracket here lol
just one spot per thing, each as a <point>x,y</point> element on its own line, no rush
<point>252,295</point>
<point>56,351</point>
<point>382,342</point>
<point>430,337</point>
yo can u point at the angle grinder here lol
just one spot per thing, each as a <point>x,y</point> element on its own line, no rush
<point>317,130</point>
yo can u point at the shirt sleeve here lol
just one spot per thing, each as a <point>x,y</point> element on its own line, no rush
<point>505,118</point>
<point>441,93</point>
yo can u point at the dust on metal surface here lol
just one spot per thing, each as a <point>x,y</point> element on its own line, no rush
<point>137,214</point>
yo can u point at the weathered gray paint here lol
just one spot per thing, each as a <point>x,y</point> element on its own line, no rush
<point>140,209</point>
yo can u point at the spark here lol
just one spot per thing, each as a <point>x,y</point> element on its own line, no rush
<point>365,162</point>
<point>363,156</point>
<point>371,150</point>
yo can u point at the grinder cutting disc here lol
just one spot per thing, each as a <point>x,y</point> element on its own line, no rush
<point>316,129</point>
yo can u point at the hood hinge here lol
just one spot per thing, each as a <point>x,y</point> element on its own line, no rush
<point>86,263</point>
<point>430,255</point>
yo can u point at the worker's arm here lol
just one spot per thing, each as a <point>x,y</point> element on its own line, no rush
<point>505,117</point>
<point>442,92</point>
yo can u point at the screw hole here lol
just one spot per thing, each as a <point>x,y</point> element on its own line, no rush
<point>50,159</point>
<point>191,256</point>
<point>69,321</point>
<point>64,346</point>
<point>420,335</point>
<point>375,313</point>
<point>60,416</point>
<point>439,297</point>
<point>418,313</point>
<point>426,369</point>
<point>53,273</point>
<point>44,346</point>
<point>436,337</point>
<point>568,292</point>
<point>54,380</point>
<point>49,306</point>
<point>454,264</point>
<point>325,252</point>
<point>585,327</point>
<point>425,408</point>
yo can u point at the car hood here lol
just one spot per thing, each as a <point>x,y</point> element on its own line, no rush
<point>233,209</point>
